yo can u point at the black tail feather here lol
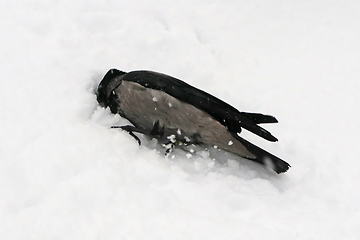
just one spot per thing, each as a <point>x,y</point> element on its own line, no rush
<point>259,118</point>
<point>264,157</point>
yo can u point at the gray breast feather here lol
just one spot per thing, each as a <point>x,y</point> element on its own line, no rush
<point>143,107</point>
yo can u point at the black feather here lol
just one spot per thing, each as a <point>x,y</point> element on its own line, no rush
<point>102,96</point>
<point>224,113</point>
<point>218,109</point>
<point>264,157</point>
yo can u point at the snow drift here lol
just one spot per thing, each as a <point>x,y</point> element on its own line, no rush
<point>65,174</point>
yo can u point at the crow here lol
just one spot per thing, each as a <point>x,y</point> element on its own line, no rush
<point>164,107</point>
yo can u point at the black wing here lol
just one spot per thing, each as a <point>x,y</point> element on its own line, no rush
<point>218,109</point>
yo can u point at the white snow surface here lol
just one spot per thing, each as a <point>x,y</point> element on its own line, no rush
<point>64,174</point>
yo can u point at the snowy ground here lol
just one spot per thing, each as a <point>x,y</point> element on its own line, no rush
<point>65,175</point>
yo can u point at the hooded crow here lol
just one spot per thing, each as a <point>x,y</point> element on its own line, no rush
<point>164,107</point>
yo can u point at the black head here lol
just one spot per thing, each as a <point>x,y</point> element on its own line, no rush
<point>102,89</point>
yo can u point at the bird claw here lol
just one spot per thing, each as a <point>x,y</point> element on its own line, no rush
<point>130,130</point>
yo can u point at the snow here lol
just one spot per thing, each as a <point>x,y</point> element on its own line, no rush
<point>65,174</point>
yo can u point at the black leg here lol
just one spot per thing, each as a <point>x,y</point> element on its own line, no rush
<point>156,132</point>
<point>131,129</point>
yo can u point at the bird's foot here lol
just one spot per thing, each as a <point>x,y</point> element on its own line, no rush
<point>130,130</point>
